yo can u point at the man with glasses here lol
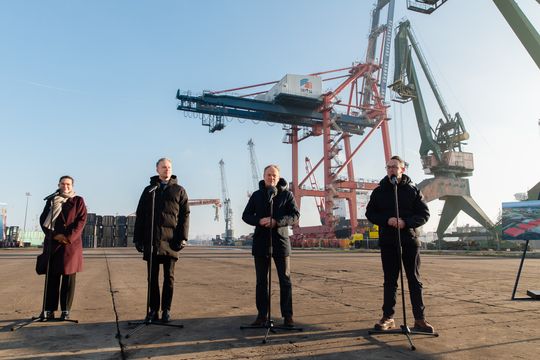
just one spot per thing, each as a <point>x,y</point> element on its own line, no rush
<point>413,213</point>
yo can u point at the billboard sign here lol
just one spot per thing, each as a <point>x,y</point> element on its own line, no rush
<point>521,220</point>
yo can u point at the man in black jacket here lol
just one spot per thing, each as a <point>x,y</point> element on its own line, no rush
<point>413,213</point>
<point>272,190</point>
<point>170,233</point>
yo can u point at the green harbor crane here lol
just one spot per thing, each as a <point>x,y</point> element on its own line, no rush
<point>440,149</point>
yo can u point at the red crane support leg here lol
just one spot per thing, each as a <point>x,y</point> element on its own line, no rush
<point>327,164</point>
<point>352,192</point>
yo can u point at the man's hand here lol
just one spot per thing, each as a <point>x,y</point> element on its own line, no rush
<point>268,222</point>
<point>183,244</point>
<point>397,223</point>
<point>62,239</point>
<point>139,247</point>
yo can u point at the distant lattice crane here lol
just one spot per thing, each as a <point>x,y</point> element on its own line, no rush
<point>255,173</point>
<point>227,209</point>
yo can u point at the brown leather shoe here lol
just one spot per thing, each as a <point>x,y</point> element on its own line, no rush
<point>288,321</point>
<point>423,326</point>
<point>259,321</point>
<point>385,324</point>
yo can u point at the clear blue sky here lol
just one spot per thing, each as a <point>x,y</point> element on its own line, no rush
<point>87,88</point>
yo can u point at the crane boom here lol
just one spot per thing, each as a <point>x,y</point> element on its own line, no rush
<point>521,26</point>
<point>514,16</point>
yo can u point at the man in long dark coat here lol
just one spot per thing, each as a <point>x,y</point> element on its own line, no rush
<point>170,234</point>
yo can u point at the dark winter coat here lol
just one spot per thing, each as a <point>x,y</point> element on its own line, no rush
<point>66,259</point>
<point>412,209</point>
<point>171,218</point>
<point>285,213</point>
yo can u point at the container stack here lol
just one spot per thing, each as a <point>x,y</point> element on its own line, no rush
<point>11,238</point>
<point>107,231</point>
<point>89,233</point>
<point>99,229</point>
<point>130,229</point>
<point>120,231</point>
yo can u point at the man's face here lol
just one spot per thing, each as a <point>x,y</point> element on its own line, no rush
<point>393,168</point>
<point>164,169</point>
<point>65,185</point>
<point>271,177</point>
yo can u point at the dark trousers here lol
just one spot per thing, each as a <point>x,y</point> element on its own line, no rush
<point>283,267</point>
<point>411,264</point>
<point>168,282</point>
<point>60,286</point>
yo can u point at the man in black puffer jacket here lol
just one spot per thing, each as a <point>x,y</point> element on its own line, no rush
<point>413,213</point>
<point>284,214</point>
<point>171,226</point>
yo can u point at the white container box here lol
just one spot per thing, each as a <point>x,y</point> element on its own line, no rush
<point>299,85</point>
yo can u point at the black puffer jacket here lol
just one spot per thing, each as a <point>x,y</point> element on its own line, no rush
<point>412,209</point>
<point>171,218</point>
<point>285,213</point>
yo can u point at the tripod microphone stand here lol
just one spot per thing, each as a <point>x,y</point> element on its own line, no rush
<point>148,320</point>
<point>269,324</point>
<point>42,317</point>
<point>404,329</point>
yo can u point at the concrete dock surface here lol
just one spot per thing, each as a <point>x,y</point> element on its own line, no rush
<point>337,298</point>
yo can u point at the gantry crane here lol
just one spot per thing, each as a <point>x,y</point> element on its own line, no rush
<point>216,203</point>
<point>364,112</point>
<point>255,174</point>
<point>440,149</point>
<point>227,209</point>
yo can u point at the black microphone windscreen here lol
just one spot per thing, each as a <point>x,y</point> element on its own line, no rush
<point>46,198</point>
<point>271,191</point>
<point>393,179</point>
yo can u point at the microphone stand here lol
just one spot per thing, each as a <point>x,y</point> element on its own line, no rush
<point>269,324</point>
<point>404,329</point>
<point>148,320</point>
<point>42,317</point>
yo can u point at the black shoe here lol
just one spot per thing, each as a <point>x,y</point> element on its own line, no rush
<point>64,315</point>
<point>166,316</point>
<point>49,315</point>
<point>152,316</point>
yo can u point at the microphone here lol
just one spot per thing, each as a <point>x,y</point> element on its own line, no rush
<point>153,188</point>
<point>393,179</point>
<point>47,198</point>
<point>271,192</point>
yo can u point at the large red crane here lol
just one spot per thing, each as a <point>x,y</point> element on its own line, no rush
<point>305,113</point>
